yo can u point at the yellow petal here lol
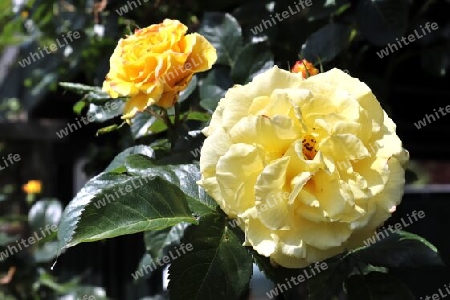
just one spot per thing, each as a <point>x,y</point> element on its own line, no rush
<point>203,54</point>
<point>213,148</point>
<point>390,196</point>
<point>322,235</point>
<point>274,135</point>
<point>140,102</point>
<point>343,146</point>
<point>260,237</point>
<point>272,206</point>
<point>236,174</point>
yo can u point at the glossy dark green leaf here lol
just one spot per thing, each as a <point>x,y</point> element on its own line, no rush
<point>326,43</point>
<point>80,88</point>
<point>252,60</point>
<point>214,87</point>
<point>219,267</point>
<point>322,279</point>
<point>110,110</point>
<point>184,176</point>
<point>330,282</point>
<point>111,205</point>
<point>400,249</point>
<point>224,33</point>
<point>119,160</point>
<point>157,241</point>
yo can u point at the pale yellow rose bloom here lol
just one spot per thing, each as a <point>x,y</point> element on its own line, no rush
<point>311,167</point>
<point>155,63</point>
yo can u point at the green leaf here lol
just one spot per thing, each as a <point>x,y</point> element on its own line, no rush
<point>217,267</point>
<point>377,285</point>
<point>400,249</point>
<point>322,279</point>
<point>382,21</point>
<point>111,205</point>
<point>108,129</point>
<point>198,116</point>
<point>119,160</point>
<point>326,43</point>
<point>141,124</point>
<point>100,98</point>
<point>106,112</point>
<point>184,176</point>
<point>224,33</point>
<point>79,106</point>
<point>252,60</point>
<point>45,212</point>
<point>92,94</point>
<point>157,126</point>
<point>214,87</point>
<point>80,89</point>
<point>157,241</point>
<point>330,282</point>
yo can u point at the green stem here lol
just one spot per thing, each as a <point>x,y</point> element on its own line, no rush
<point>171,128</point>
<point>177,114</point>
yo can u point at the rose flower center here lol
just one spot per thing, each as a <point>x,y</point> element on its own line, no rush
<point>309,147</point>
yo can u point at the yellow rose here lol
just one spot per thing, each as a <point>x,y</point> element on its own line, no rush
<point>155,63</point>
<point>310,167</point>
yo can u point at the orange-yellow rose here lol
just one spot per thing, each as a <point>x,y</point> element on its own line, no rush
<point>310,167</point>
<point>155,63</point>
